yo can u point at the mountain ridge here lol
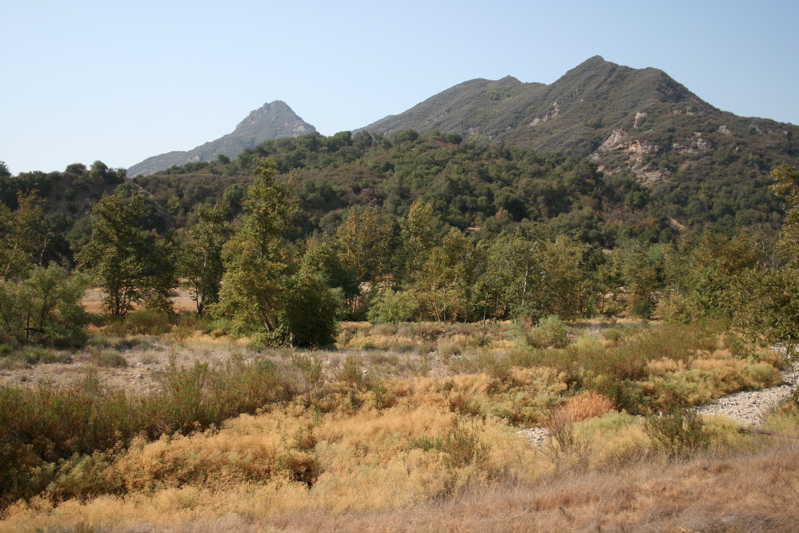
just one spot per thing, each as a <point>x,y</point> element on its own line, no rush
<point>626,120</point>
<point>273,120</point>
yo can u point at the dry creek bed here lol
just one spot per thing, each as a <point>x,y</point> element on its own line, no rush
<point>747,408</point>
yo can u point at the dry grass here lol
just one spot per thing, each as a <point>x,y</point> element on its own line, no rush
<point>414,427</point>
<point>746,492</point>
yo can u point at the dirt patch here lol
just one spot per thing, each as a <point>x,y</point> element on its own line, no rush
<point>92,300</point>
<point>139,361</point>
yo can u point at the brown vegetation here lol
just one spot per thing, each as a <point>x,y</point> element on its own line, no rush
<point>415,427</point>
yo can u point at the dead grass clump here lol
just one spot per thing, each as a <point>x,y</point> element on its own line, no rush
<point>587,404</point>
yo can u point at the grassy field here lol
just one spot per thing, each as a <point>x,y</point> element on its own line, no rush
<point>409,427</point>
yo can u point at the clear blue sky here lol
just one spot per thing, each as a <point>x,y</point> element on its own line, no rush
<point>121,81</point>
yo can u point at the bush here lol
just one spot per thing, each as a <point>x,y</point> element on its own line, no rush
<point>109,359</point>
<point>551,332</point>
<point>143,322</point>
<point>393,307</point>
<point>44,309</point>
<point>679,433</point>
<point>311,311</point>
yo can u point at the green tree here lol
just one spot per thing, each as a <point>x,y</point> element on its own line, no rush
<point>366,243</point>
<point>45,308</point>
<point>23,236</point>
<point>442,286</point>
<point>418,237</point>
<point>787,186</point>
<point>201,254</point>
<point>257,256</point>
<point>310,307</point>
<point>131,264</point>
<point>530,276</point>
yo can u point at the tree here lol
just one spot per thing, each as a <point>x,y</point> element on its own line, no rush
<point>45,308</point>
<point>256,258</point>
<point>310,307</point>
<point>418,237</point>
<point>787,186</point>
<point>23,236</point>
<point>442,286</point>
<point>201,254</point>
<point>530,276</point>
<point>129,263</point>
<point>366,243</point>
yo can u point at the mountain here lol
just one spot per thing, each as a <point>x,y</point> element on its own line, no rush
<point>272,121</point>
<point>635,120</point>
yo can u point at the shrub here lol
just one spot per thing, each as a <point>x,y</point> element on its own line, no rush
<point>678,433</point>
<point>393,307</point>
<point>551,332</point>
<point>588,404</point>
<point>142,322</point>
<point>311,310</point>
<point>110,359</point>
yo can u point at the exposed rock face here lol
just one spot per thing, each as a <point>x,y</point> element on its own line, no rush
<point>639,121</point>
<point>272,121</point>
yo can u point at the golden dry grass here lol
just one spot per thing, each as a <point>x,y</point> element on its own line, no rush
<point>753,491</point>
<point>422,435</point>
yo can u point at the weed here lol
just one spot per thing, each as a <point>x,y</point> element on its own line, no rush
<point>109,359</point>
<point>551,332</point>
<point>143,322</point>
<point>310,366</point>
<point>678,433</point>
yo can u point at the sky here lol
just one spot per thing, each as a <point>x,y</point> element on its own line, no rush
<point>114,81</point>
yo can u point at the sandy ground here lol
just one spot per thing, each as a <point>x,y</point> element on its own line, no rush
<point>93,300</point>
<point>146,357</point>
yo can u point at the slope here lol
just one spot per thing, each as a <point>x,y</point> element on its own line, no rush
<point>272,121</point>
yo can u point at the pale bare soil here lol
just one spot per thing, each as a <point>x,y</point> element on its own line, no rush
<point>146,357</point>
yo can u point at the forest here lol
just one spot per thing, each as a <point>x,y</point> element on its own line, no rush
<point>485,256</point>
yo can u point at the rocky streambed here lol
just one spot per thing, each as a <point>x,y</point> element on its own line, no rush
<point>747,408</point>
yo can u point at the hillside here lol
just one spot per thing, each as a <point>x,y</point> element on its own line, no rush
<point>636,120</point>
<point>272,121</point>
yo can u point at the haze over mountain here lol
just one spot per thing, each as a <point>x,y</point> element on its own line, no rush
<point>272,121</point>
<point>639,120</point>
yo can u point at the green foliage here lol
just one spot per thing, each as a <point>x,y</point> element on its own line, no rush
<point>678,433</point>
<point>310,309</point>
<point>143,322</point>
<point>765,305</point>
<point>550,332</point>
<point>442,286</point>
<point>200,260</point>
<point>787,186</point>
<point>44,308</point>
<point>366,242</point>
<point>459,446</point>
<point>529,276</point>
<point>392,307</point>
<point>129,263</point>
<point>256,256</point>
<point>23,236</point>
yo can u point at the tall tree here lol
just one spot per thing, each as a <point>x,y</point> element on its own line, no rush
<point>366,243</point>
<point>201,254</point>
<point>257,256</point>
<point>131,264</point>
<point>787,186</point>
<point>23,236</point>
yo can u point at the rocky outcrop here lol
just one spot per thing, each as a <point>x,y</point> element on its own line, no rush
<point>272,121</point>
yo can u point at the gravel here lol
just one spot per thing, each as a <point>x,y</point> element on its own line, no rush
<point>747,408</point>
